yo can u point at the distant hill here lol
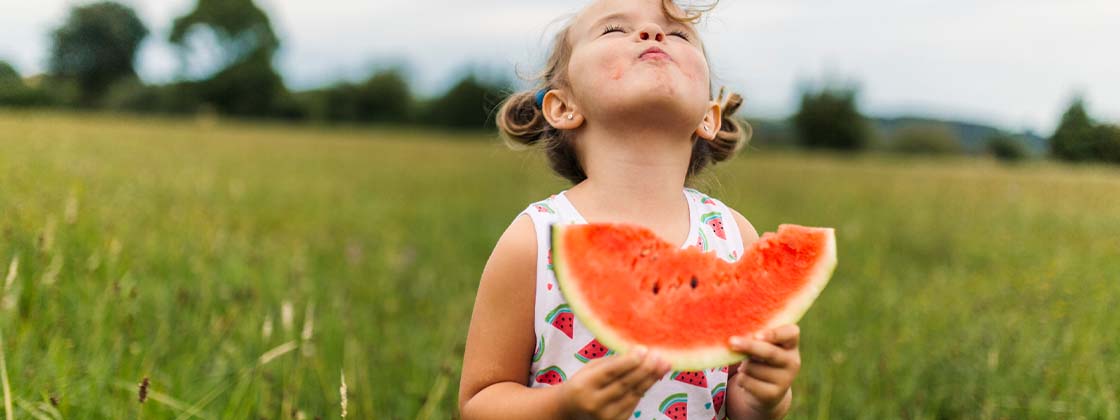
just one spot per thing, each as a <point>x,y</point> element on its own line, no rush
<point>973,136</point>
<point>779,132</point>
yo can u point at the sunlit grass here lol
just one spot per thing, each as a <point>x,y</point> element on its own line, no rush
<point>244,268</point>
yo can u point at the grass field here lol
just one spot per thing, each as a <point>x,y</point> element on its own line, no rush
<point>244,267</point>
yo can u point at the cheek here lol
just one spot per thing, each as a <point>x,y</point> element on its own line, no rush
<point>695,69</point>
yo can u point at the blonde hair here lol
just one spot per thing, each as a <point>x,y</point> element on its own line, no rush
<point>521,123</point>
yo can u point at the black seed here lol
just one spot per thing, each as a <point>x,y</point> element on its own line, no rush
<point>694,282</point>
<point>656,287</point>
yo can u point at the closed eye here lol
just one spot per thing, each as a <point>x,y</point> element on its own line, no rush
<point>680,34</point>
<point>612,28</point>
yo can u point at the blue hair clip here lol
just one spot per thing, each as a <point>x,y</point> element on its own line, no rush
<point>539,97</point>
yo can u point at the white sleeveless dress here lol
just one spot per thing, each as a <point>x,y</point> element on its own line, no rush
<point>564,345</point>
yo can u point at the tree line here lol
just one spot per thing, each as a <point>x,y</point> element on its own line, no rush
<point>829,118</point>
<point>92,66</point>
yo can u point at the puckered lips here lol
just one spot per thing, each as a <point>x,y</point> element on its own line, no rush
<point>654,53</point>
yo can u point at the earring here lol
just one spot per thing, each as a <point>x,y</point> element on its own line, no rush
<point>570,116</point>
<point>706,128</point>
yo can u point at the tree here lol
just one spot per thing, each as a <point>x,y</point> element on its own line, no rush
<point>468,104</point>
<point>1073,138</point>
<point>830,119</point>
<point>96,47</point>
<point>9,77</point>
<point>1079,138</point>
<point>384,97</point>
<point>246,84</point>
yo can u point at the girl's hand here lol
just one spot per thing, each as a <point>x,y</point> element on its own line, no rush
<point>609,388</point>
<point>762,385</point>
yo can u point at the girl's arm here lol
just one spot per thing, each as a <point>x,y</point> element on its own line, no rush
<point>500,340</point>
<point>500,345</point>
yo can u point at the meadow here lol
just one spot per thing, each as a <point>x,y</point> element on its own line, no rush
<point>244,268</point>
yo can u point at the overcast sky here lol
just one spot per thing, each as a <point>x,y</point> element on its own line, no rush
<point>1013,63</point>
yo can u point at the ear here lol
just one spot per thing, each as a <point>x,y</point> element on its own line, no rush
<point>713,119</point>
<point>560,111</point>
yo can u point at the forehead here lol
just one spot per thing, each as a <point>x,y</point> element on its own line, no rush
<point>603,11</point>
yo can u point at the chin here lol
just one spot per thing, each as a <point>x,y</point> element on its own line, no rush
<point>654,106</point>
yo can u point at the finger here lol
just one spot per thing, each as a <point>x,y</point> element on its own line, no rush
<point>764,391</point>
<point>629,381</point>
<point>785,336</point>
<point>770,374</point>
<point>649,380</point>
<point>614,367</point>
<point>763,352</point>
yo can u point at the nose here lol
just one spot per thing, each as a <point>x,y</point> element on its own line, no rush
<point>651,31</point>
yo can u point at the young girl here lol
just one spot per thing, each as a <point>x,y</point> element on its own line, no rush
<point>624,111</point>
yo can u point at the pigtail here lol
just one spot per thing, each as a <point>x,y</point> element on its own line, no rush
<point>519,120</point>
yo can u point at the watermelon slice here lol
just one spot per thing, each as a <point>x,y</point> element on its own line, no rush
<point>692,378</point>
<point>551,375</point>
<point>629,288</point>
<point>719,394</point>
<point>675,406</point>
<point>562,319</point>
<point>593,350</point>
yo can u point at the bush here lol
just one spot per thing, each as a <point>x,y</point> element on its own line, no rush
<point>384,97</point>
<point>1078,138</point>
<point>830,119</point>
<point>469,104</point>
<point>927,139</point>
<point>15,93</point>
<point>1107,142</point>
<point>1006,148</point>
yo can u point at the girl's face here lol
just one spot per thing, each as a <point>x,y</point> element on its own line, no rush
<point>611,69</point>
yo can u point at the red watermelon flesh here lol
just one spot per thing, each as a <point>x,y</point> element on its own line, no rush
<point>631,288</point>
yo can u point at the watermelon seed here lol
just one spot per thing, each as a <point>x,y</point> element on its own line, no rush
<point>656,287</point>
<point>694,282</point>
<point>645,252</point>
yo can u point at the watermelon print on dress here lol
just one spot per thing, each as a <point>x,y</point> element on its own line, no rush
<point>544,208</point>
<point>593,350</point>
<point>715,221</point>
<point>551,375</point>
<point>675,406</point>
<point>562,319</point>
<point>719,395</point>
<point>540,350</point>
<point>696,378</point>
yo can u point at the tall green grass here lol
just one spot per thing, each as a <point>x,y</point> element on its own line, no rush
<point>244,268</point>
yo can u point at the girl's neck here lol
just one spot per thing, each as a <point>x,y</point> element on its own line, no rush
<point>643,168</point>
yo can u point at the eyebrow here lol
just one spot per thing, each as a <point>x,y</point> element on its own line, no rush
<point>609,17</point>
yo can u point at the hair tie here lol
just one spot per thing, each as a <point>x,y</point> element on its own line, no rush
<point>539,97</point>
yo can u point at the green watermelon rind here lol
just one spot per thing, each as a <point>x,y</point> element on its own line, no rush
<point>702,357</point>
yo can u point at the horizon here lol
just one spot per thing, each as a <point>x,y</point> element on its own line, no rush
<point>1012,65</point>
